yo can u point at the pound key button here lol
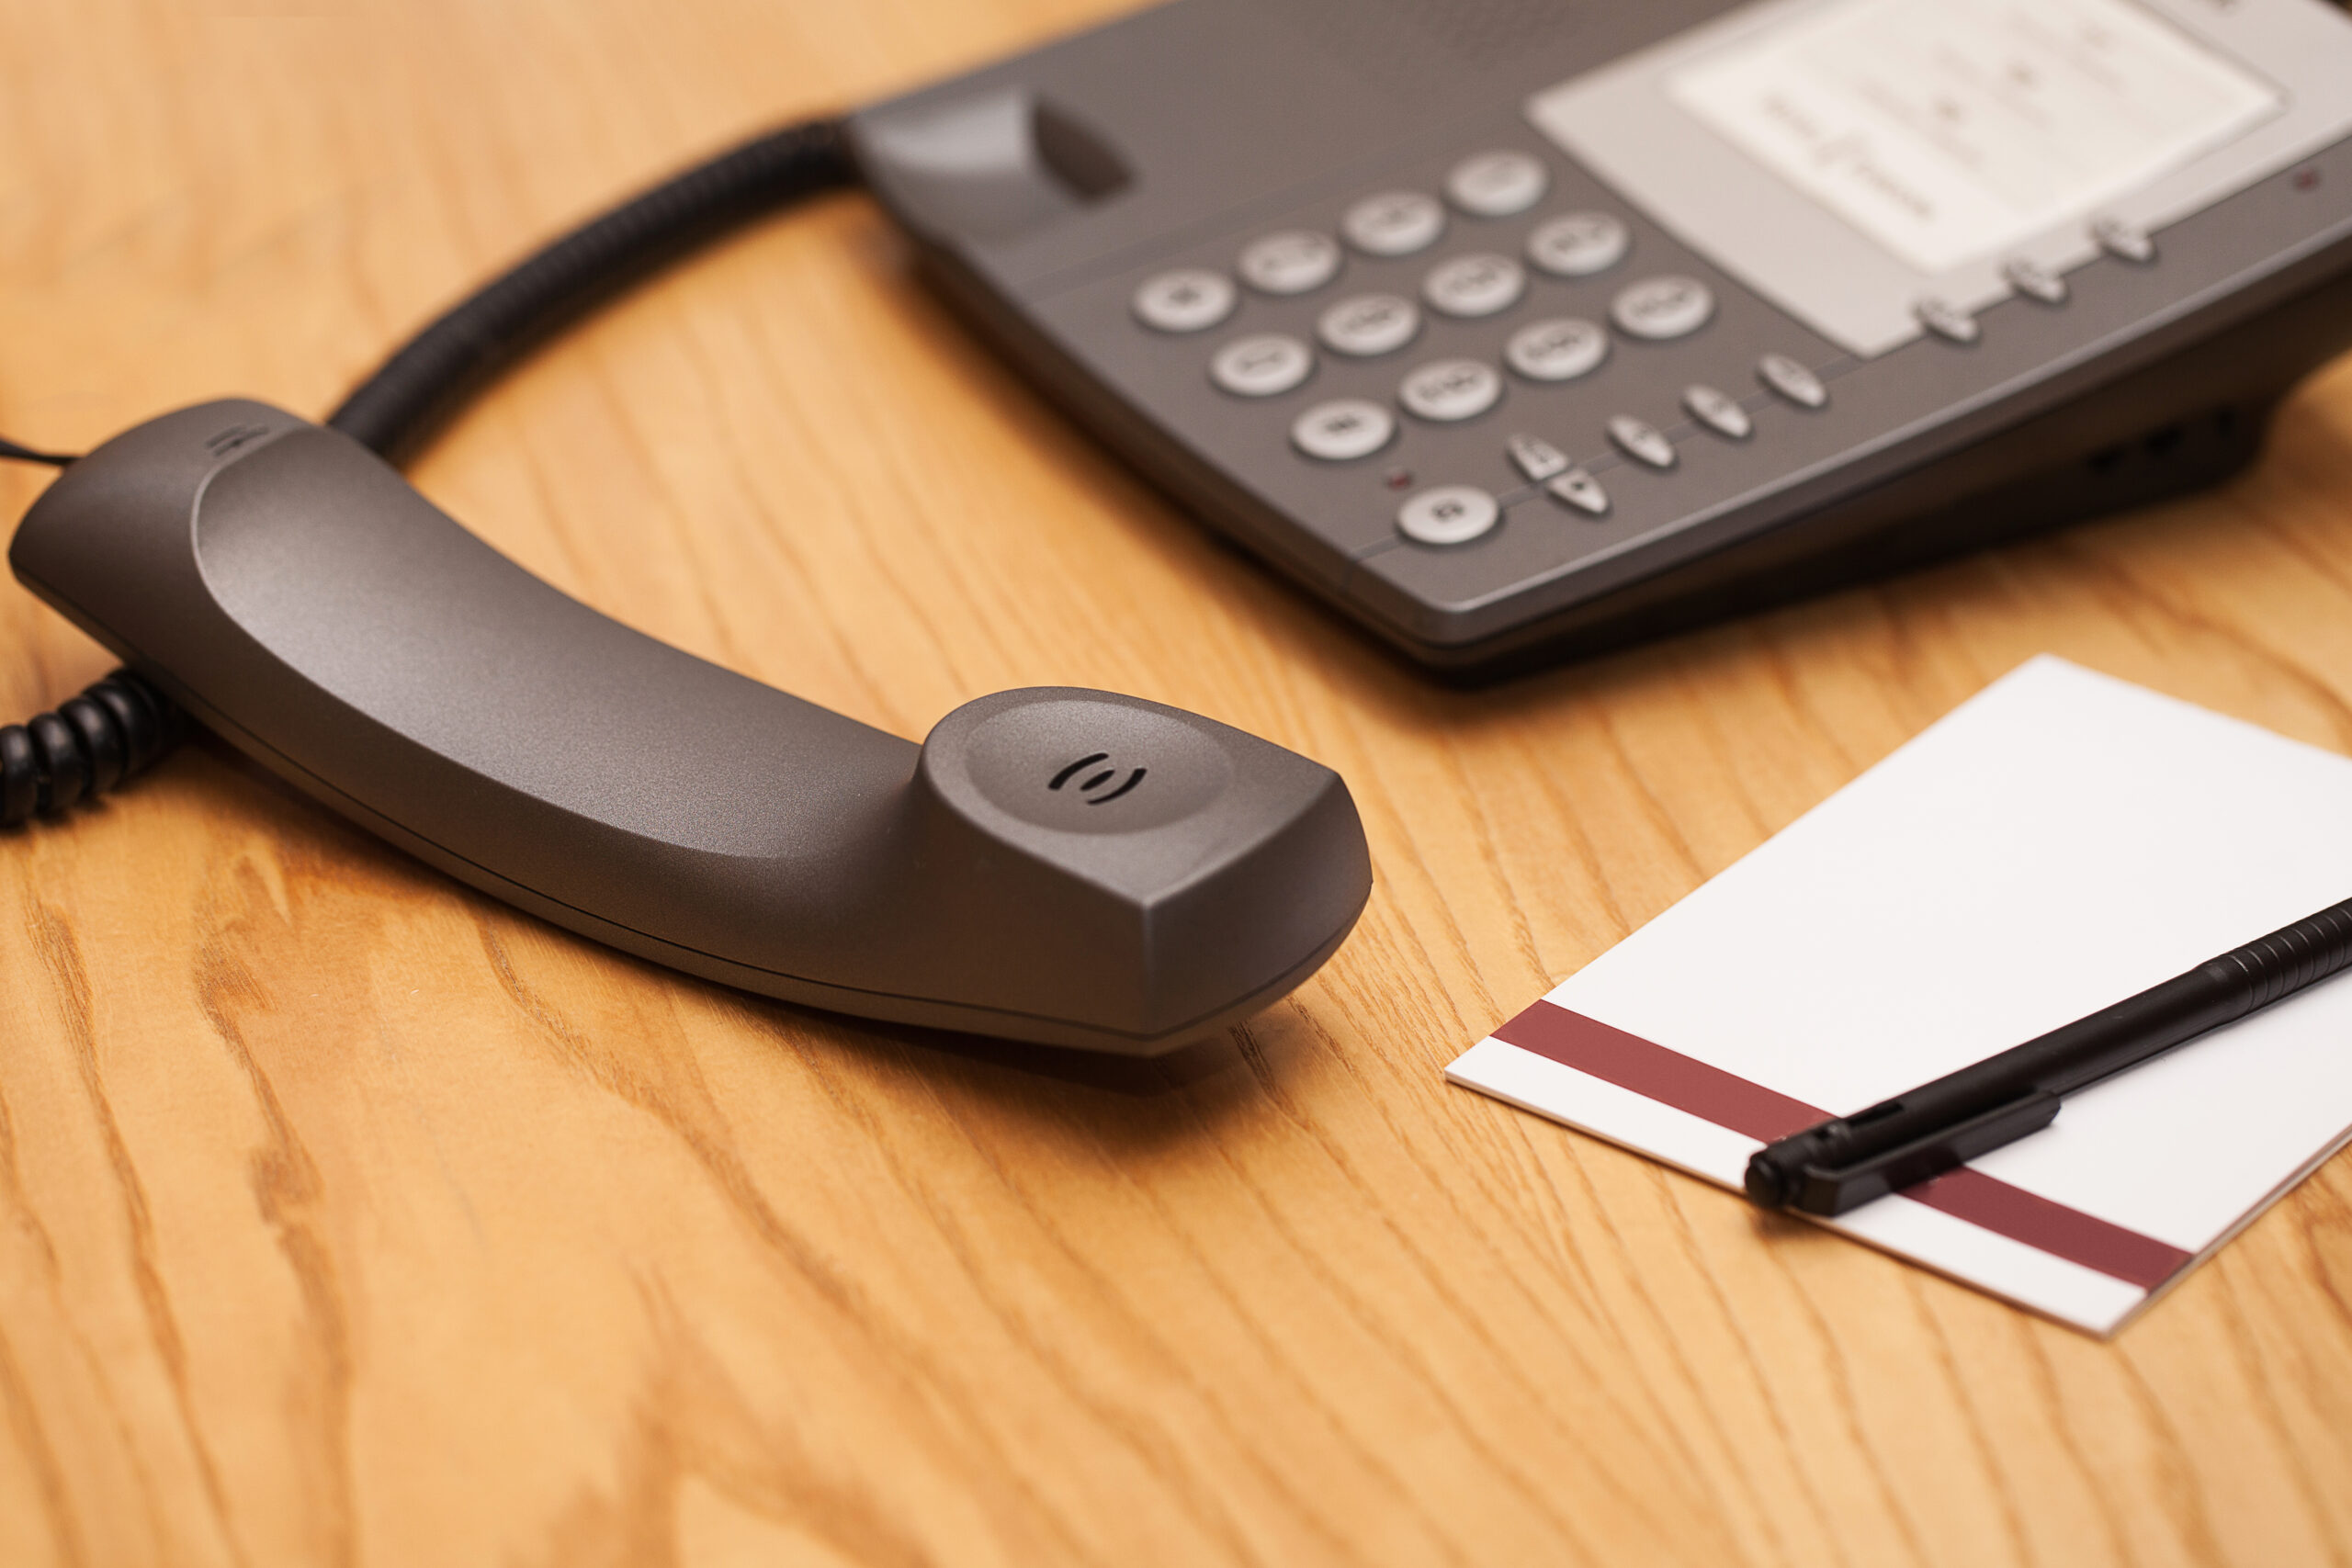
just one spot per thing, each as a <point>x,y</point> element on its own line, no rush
<point>1344,430</point>
<point>1450,514</point>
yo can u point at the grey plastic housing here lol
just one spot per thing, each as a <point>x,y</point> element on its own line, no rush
<point>1058,865</point>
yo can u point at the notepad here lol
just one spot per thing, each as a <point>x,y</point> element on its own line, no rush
<point>2058,843</point>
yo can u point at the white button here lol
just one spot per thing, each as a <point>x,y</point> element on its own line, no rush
<point>1496,185</point>
<point>1642,441</point>
<point>1342,431</point>
<point>1536,458</point>
<point>1394,223</point>
<point>1450,514</point>
<point>1475,285</point>
<point>2035,281</point>
<point>1578,244</point>
<point>1262,365</point>
<point>1946,321</point>
<point>1191,300</point>
<point>1451,390</point>
<point>1719,411</point>
<point>1558,350</point>
<point>2125,242</point>
<point>1369,324</point>
<point>1659,308</point>
<point>1793,380</point>
<point>1291,263</point>
<point>1581,490</point>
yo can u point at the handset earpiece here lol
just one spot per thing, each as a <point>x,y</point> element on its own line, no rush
<point>1058,865</point>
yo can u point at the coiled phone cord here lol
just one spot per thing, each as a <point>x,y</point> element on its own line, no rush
<point>118,727</point>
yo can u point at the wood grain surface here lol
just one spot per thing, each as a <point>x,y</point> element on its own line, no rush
<point>349,1217</point>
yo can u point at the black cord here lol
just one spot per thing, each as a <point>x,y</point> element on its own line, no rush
<point>112,731</point>
<point>11,451</point>
<point>415,390</point>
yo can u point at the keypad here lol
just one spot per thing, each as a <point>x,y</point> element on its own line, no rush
<point>1662,308</point>
<point>1394,224</point>
<point>1471,286</point>
<point>1449,515</point>
<point>1474,286</point>
<point>1498,184</point>
<point>1560,349</point>
<point>1450,391</point>
<point>1369,325</point>
<point>1578,244</point>
<point>1297,261</point>
<point>1344,430</point>
<point>1190,299</point>
<point>1262,365</point>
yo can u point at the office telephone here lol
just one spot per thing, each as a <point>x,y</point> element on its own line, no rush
<point>1510,327</point>
<point>1513,329</point>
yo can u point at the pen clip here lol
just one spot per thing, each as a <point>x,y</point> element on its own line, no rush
<point>1835,1189</point>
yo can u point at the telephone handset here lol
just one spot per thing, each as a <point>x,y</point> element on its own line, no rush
<point>1512,329</point>
<point>1058,865</point>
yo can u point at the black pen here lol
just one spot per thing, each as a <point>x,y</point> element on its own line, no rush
<point>1846,1162</point>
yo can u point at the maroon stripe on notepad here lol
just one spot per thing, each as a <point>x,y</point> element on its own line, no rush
<point>1729,1100</point>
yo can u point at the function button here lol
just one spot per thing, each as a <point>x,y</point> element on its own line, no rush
<point>1793,380</point>
<point>1578,244</point>
<point>1560,349</point>
<point>1580,490</point>
<point>1341,431</point>
<point>1450,514</point>
<point>1262,365</point>
<point>2035,281</point>
<point>1947,320</point>
<point>1475,285</point>
<point>1661,308</point>
<point>1394,223</point>
<point>2125,242</point>
<point>1719,411</point>
<point>1296,260</point>
<point>1190,299</point>
<point>1496,185</point>
<point>1642,441</point>
<point>1537,459</point>
<point>1369,324</point>
<point>1451,390</point>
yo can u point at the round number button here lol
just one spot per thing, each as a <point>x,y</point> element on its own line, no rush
<point>1451,390</point>
<point>1341,431</point>
<point>1450,514</point>
<point>1369,324</point>
<point>1578,244</point>
<point>1660,308</point>
<point>1496,185</point>
<point>1394,223</point>
<point>1191,300</point>
<point>1294,262</point>
<point>1558,349</point>
<point>1262,365</point>
<point>1475,285</point>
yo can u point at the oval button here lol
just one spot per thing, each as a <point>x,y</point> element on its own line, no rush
<point>1558,349</point>
<point>1262,365</point>
<point>1450,514</point>
<point>1451,390</point>
<point>1662,308</point>
<point>1344,430</point>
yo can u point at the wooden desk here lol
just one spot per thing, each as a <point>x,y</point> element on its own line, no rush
<point>349,1217</point>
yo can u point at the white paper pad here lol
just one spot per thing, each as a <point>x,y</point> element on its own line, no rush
<point>2058,843</point>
